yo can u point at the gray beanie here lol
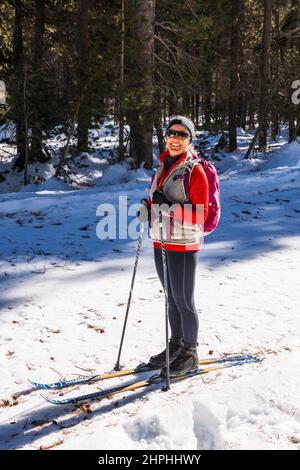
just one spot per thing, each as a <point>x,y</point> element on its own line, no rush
<point>183,121</point>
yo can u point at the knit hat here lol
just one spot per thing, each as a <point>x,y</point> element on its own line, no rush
<point>183,121</point>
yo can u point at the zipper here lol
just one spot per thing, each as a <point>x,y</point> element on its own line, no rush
<point>169,173</point>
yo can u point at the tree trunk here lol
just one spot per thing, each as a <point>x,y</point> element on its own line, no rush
<point>121,97</point>
<point>275,105</point>
<point>173,105</point>
<point>234,72</point>
<point>17,92</point>
<point>292,129</point>
<point>265,73</point>
<point>140,78</point>
<point>157,121</point>
<point>25,114</point>
<point>207,109</point>
<point>242,112</point>
<point>83,76</point>
<point>251,120</point>
<point>275,125</point>
<point>36,96</point>
<point>160,135</point>
<point>187,101</point>
<point>197,105</point>
<point>297,132</point>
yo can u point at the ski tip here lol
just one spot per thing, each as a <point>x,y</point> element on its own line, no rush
<point>55,402</point>
<point>250,358</point>
<point>36,385</point>
<point>256,359</point>
<point>241,357</point>
<point>41,386</point>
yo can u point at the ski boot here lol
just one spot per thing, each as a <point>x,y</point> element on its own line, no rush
<point>159,360</point>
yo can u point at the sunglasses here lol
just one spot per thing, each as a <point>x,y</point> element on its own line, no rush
<point>180,134</point>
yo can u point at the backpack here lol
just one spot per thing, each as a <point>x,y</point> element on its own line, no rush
<point>214,207</point>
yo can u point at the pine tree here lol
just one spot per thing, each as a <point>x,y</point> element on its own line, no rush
<point>140,56</point>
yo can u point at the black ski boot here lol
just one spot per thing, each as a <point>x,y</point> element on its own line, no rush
<point>159,360</point>
<point>186,361</point>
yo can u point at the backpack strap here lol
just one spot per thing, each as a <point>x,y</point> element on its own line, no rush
<point>187,177</point>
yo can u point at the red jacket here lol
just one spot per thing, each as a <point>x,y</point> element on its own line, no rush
<point>198,192</point>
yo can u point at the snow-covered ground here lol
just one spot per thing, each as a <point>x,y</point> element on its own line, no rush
<point>64,295</point>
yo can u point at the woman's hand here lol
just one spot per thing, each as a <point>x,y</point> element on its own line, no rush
<point>159,198</point>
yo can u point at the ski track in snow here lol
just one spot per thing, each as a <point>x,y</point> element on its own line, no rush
<point>63,300</point>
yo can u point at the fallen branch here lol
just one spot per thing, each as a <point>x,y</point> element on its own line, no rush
<point>50,446</point>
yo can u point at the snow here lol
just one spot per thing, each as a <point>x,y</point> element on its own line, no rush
<point>88,167</point>
<point>64,295</point>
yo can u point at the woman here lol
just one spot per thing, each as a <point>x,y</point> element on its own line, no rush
<point>182,246</point>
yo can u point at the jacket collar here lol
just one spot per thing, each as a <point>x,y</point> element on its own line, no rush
<point>163,157</point>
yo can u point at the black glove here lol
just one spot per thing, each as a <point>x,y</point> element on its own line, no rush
<point>159,198</point>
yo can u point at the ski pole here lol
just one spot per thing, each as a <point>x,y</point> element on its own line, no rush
<point>164,257</point>
<point>117,366</point>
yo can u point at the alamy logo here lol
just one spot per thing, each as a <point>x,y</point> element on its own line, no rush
<point>123,222</point>
<point>2,93</point>
<point>296,94</point>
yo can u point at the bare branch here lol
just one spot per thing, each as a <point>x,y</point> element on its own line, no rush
<point>170,45</point>
<point>291,34</point>
<point>190,7</point>
<point>178,71</point>
<point>167,88</point>
<point>167,26</point>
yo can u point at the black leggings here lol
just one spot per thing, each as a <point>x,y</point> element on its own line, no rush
<point>183,315</point>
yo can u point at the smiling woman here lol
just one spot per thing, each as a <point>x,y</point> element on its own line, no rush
<point>168,198</point>
<point>179,135</point>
